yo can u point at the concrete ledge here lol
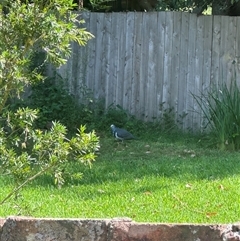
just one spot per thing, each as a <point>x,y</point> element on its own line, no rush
<point>116,229</point>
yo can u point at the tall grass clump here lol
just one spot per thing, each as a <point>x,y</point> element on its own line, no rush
<point>221,108</point>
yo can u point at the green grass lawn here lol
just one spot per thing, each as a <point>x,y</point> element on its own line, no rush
<point>154,179</point>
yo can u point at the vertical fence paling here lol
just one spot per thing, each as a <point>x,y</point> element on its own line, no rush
<point>142,60</point>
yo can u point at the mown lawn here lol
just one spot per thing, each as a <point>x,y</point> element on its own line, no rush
<point>154,179</point>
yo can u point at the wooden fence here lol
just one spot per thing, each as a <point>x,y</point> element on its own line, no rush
<point>150,62</point>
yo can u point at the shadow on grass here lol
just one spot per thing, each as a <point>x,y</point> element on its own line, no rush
<point>177,159</point>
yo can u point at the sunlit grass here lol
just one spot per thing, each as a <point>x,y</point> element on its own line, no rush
<point>158,179</point>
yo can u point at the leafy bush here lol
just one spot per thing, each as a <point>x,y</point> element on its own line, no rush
<point>53,101</point>
<point>39,27</point>
<point>26,152</point>
<point>54,104</point>
<point>221,109</point>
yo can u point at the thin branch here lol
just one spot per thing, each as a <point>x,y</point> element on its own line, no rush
<point>23,184</point>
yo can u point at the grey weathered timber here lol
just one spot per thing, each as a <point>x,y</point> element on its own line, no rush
<point>150,62</point>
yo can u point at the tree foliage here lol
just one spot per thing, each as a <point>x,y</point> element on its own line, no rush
<point>226,7</point>
<point>27,153</point>
<point>27,27</point>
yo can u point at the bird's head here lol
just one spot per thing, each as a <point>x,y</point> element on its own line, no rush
<point>113,128</point>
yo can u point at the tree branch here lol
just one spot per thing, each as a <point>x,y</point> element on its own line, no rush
<point>23,184</point>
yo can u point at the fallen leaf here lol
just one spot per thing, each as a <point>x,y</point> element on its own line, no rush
<point>147,193</point>
<point>188,185</point>
<point>221,187</point>
<point>211,214</point>
<point>101,191</point>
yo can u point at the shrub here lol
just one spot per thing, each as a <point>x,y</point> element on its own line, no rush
<point>221,109</point>
<point>26,152</point>
<point>54,103</point>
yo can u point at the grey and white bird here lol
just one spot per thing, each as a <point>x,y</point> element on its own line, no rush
<point>121,134</point>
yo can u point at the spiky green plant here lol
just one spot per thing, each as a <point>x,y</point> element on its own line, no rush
<point>221,108</point>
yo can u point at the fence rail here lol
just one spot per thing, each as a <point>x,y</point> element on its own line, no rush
<point>150,62</point>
